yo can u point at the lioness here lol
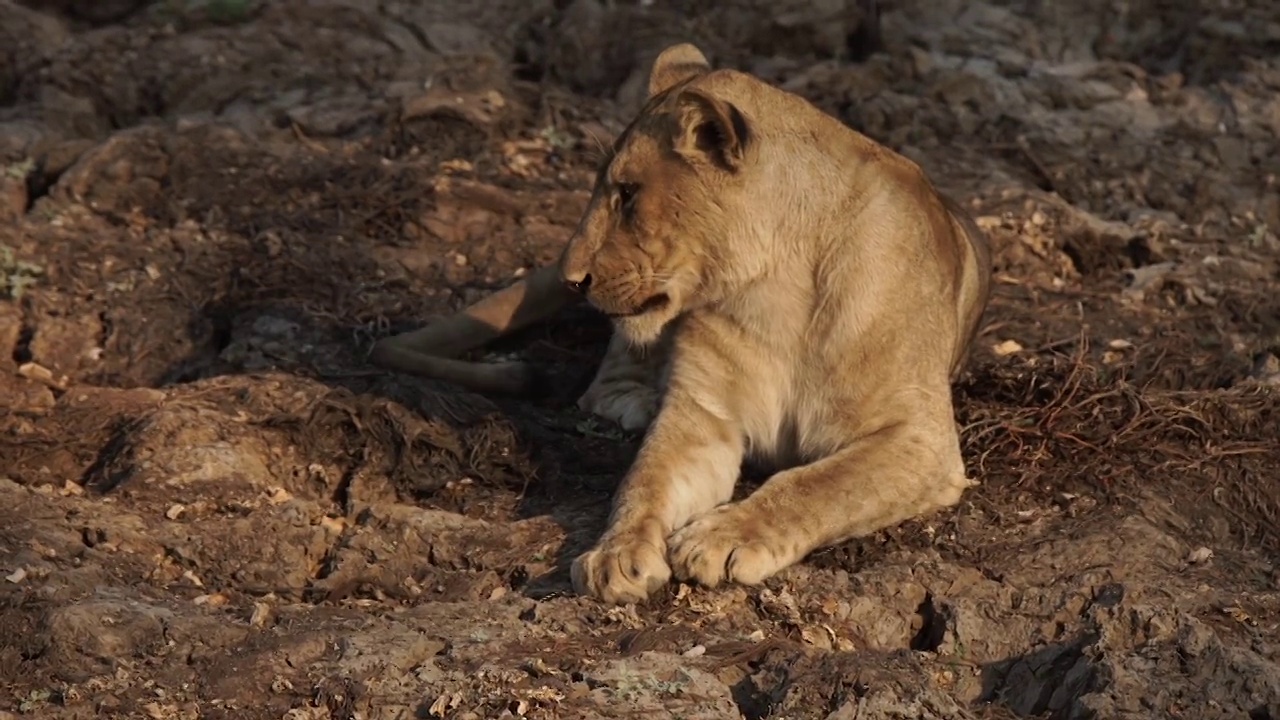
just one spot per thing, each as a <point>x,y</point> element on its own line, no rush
<point>793,290</point>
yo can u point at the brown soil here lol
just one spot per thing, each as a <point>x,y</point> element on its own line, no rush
<point>212,506</point>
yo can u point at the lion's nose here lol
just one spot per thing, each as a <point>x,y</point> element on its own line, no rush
<point>578,285</point>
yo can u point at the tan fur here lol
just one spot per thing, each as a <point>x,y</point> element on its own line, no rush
<point>430,351</point>
<point>782,287</point>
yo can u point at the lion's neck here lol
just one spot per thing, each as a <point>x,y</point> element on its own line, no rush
<point>773,308</point>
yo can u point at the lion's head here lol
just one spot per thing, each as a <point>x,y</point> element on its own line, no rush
<point>658,235</point>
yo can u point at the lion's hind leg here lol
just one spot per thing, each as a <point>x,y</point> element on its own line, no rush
<point>432,351</point>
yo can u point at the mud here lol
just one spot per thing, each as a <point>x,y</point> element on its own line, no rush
<point>211,505</point>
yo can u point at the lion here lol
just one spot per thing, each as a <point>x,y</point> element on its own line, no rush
<point>781,288</point>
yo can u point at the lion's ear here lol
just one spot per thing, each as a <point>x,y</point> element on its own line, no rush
<point>675,65</point>
<point>711,129</point>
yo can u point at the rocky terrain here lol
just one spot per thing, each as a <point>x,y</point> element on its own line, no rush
<point>212,506</point>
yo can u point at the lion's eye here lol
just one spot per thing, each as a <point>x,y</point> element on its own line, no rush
<point>627,194</point>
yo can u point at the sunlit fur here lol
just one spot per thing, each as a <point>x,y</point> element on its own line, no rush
<point>783,287</point>
<point>669,239</point>
<point>822,294</point>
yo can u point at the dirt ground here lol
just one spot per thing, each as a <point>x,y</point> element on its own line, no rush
<point>211,505</point>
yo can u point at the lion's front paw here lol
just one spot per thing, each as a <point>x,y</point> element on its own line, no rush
<point>626,567</point>
<point>726,544</point>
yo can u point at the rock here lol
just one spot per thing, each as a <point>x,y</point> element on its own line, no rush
<point>13,192</point>
<point>1266,368</point>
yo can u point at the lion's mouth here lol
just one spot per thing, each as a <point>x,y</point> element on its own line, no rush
<point>657,302</point>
